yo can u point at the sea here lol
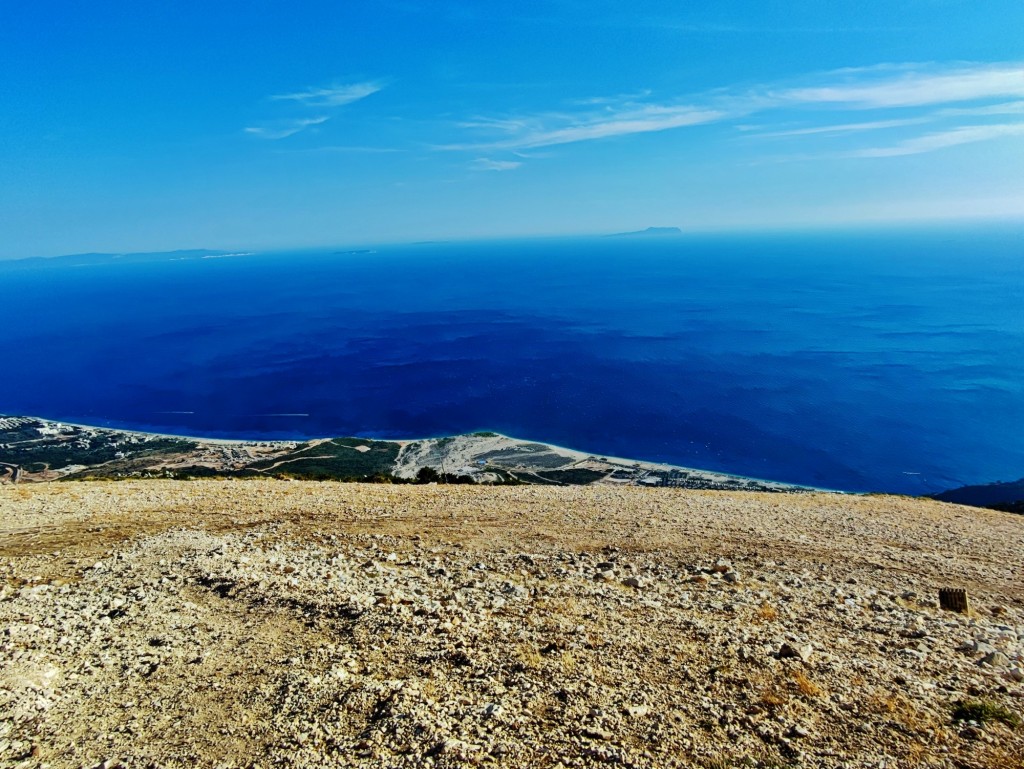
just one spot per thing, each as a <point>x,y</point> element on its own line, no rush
<point>889,360</point>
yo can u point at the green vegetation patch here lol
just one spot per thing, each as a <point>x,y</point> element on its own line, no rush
<point>76,449</point>
<point>984,712</point>
<point>337,459</point>
<point>574,477</point>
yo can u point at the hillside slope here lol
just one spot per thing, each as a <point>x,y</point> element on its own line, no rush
<point>264,623</point>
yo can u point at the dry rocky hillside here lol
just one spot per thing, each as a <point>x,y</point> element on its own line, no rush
<point>274,623</point>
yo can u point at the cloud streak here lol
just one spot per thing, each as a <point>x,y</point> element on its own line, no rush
<point>964,88</point>
<point>942,139</point>
<point>487,164</point>
<point>539,131</point>
<point>1006,108</point>
<point>321,99</point>
<point>333,95</point>
<point>874,125</point>
<point>282,129</point>
<point>888,86</point>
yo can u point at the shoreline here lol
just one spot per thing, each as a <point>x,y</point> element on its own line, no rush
<point>403,442</point>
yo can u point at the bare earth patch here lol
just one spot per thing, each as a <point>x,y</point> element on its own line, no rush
<point>270,623</point>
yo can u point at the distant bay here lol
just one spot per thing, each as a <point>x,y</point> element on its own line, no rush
<point>867,361</point>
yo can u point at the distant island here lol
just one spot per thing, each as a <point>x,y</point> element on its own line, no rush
<point>650,232</point>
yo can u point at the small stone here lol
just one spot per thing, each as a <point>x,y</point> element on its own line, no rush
<point>634,582</point>
<point>802,652</point>
<point>995,659</point>
<point>594,733</point>
<point>796,731</point>
<point>605,576</point>
<point>731,576</point>
<point>445,746</point>
<point>1015,674</point>
<point>721,566</point>
<point>637,711</point>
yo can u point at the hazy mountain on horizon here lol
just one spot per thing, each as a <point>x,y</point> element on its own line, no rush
<point>96,257</point>
<point>650,232</point>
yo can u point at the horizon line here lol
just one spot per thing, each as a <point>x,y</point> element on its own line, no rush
<point>844,226</point>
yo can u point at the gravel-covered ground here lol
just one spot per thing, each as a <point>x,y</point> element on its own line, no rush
<point>273,623</point>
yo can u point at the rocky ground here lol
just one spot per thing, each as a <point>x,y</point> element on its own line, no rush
<point>275,623</point>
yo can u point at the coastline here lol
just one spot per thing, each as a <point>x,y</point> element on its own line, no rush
<point>435,448</point>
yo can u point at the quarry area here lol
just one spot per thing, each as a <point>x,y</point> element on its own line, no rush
<point>277,623</point>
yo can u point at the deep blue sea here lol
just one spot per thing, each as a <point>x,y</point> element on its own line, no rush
<point>860,361</point>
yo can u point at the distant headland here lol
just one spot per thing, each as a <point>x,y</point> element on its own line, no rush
<point>33,449</point>
<point>650,232</point>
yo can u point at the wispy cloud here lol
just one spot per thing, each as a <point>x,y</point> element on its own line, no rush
<point>543,131</point>
<point>874,125</point>
<point>487,164</point>
<point>333,95</point>
<point>647,120</point>
<point>909,86</point>
<point>282,129</point>
<point>942,139</point>
<point>321,99</point>
<point>1005,108</point>
<point>963,87</point>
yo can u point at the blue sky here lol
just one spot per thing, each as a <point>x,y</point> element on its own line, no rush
<point>153,125</point>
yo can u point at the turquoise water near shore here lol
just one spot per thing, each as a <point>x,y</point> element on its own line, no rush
<point>890,361</point>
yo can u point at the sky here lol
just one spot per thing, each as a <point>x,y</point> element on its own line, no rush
<point>137,126</point>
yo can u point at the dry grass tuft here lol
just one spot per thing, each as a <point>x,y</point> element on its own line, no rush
<point>530,656</point>
<point>773,697</point>
<point>568,663</point>
<point>920,754</point>
<point>766,613</point>
<point>806,686</point>
<point>903,711</point>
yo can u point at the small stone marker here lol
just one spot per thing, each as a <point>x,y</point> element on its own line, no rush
<point>954,599</point>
